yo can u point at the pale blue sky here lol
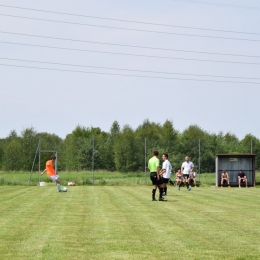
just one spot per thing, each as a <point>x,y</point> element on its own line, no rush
<point>56,102</point>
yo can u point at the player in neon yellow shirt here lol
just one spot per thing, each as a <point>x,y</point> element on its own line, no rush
<point>153,166</point>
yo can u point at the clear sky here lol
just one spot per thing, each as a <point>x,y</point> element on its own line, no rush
<point>56,101</point>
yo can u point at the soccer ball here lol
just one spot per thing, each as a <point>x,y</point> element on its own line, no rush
<point>65,189</point>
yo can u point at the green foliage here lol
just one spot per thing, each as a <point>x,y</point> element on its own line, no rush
<point>13,156</point>
<point>122,149</point>
<point>126,149</point>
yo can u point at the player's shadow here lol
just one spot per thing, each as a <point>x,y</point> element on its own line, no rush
<point>172,201</point>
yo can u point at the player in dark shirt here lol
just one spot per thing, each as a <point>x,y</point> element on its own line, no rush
<point>241,178</point>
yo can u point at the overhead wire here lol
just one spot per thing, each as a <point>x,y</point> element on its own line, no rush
<point>127,75</point>
<point>132,46</point>
<point>219,4</point>
<point>123,69</point>
<point>131,29</point>
<point>133,55</point>
<point>129,21</point>
<point>127,45</point>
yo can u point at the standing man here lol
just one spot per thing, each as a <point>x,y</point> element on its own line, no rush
<point>165,173</point>
<point>153,166</point>
<point>186,169</point>
<point>51,172</point>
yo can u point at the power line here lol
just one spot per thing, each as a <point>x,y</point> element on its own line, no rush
<point>131,70</point>
<point>130,21</point>
<point>219,4</point>
<point>125,75</point>
<point>129,54</point>
<point>131,29</point>
<point>132,46</point>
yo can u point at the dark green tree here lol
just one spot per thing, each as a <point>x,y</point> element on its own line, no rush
<point>127,151</point>
<point>12,158</point>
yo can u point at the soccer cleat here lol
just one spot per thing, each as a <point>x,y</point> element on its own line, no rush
<point>154,199</point>
<point>60,190</point>
<point>189,189</point>
<point>162,199</point>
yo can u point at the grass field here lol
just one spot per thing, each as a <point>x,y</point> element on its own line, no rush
<point>100,178</point>
<point>121,222</point>
<point>80,178</point>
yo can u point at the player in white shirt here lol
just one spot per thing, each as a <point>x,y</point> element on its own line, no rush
<point>165,173</point>
<point>186,169</point>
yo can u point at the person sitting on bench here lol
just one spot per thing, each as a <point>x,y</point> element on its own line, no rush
<point>241,178</point>
<point>224,178</point>
<point>193,177</point>
<point>179,178</point>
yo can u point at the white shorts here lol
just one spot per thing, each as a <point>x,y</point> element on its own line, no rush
<point>54,177</point>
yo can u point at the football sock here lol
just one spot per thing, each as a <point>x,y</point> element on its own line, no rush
<point>187,185</point>
<point>161,192</point>
<point>58,186</point>
<point>165,190</point>
<point>153,194</point>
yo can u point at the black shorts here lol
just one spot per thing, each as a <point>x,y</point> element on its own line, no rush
<point>153,177</point>
<point>164,180</point>
<point>186,176</point>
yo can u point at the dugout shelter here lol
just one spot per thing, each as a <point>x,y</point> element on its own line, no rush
<point>233,163</point>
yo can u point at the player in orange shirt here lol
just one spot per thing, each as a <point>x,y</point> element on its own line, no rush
<point>51,172</point>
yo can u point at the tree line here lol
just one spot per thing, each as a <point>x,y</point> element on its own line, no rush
<point>122,149</point>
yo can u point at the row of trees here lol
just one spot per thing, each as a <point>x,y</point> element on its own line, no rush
<point>122,149</point>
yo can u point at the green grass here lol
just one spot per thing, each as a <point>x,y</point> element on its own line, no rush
<point>86,178</point>
<point>121,222</point>
<point>100,178</point>
<point>80,178</point>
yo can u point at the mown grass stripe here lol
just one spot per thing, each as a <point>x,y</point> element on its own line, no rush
<point>121,222</point>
